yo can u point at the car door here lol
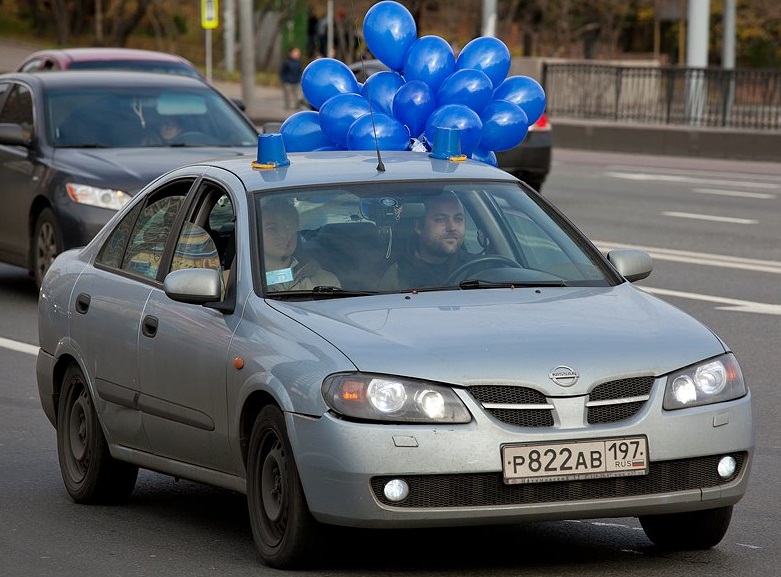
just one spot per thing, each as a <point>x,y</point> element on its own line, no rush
<point>183,348</point>
<point>107,305</point>
<point>18,174</point>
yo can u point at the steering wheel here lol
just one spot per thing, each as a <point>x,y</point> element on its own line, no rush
<point>190,137</point>
<point>469,265</point>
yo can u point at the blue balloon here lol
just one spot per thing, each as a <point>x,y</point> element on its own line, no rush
<point>377,130</point>
<point>487,54</point>
<point>431,60</point>
<point>486,156</point>
<point>526,93</point>
<point>389,30</point>
<point>380,88</point>
<point>338,114</point>
<point>504,125</point>
<point>301,132</point>
<point>327,77</point>
<point>413,104</point>
<point>469,87</point>
<point>457,116</point>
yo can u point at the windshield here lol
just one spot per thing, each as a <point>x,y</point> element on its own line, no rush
<point>430,235</point>
<point>138,65</point>
<point>124,117</point>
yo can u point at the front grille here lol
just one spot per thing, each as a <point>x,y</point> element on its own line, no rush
<point>527,416</point>
<point>489,490</point>
<point>626,395</point>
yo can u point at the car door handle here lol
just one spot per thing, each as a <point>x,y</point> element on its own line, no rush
<point>82,303</point>
<point>149,326</point>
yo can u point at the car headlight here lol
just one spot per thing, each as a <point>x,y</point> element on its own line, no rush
<point>383,398</point>
<point>713,381</point>
<point>101,197</point>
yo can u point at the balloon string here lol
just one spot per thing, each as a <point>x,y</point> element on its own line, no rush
<point>362,50</point>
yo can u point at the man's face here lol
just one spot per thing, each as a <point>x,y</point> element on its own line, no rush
<point>441,230</point>
<point>279,238</point>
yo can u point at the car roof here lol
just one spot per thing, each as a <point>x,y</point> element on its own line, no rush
<point>326,167</point>
<point>107,78</point>
<point>93,54</point>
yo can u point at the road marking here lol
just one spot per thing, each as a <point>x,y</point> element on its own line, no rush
<point>18,346</point>
<point>690,172</point>
<point>700,258</point>
<point>747,545</point>
<point>692,180</point>
<point>711,217</point>
<point>729,304</point>
<point>735,193</point>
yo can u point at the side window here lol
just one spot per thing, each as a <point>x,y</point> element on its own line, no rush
<point>195,249</point>
<point>18,108</point>
<point>111,253</point>
<point>149,236</point>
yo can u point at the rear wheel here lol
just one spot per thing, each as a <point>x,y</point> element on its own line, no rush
<point>47,244</point>
<point>688,531</point>
<point>282,526</point>
<point>90,473</point>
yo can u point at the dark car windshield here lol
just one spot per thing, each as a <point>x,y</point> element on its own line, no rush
<point>429,235</point>
<point>107,117</point>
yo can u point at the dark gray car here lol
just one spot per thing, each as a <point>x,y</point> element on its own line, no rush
<point>76,146</point>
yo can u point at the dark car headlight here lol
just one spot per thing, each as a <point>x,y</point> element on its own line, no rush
<point>93,196</point>
<point>713,381</point>
<point>395,399</point>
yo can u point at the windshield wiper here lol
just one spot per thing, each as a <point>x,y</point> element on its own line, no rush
<point>470,284</point>
<point>320,292</point>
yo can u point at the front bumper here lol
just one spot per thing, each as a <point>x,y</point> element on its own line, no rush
<point>454,472</point>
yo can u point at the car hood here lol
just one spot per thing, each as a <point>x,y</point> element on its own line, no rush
<point>130,169</point>
<point>511,336</point>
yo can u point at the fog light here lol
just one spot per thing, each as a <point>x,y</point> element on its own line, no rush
<point>397,490</point>
<point>727,466</point>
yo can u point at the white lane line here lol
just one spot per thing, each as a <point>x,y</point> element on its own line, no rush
<point>693,180</point>
<point>728,304</point>
<point>690,172</point>
<point>711,218</point>
<point>18,346</point>
<point>735,193</point>
<point>748,546</point>
<point>701,258</point>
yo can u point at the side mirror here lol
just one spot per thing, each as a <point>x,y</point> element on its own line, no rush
<point>13,135</point>
<point>632,264</point>
<point>193,285</point>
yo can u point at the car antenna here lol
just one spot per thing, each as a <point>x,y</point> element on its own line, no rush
<point>362,46</point>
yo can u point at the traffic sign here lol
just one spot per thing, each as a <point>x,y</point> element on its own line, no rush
<point>210,14</point>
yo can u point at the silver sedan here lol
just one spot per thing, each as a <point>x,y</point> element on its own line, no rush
<point>411,342</point>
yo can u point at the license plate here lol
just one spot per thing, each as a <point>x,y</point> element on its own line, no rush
<point>544,462</point>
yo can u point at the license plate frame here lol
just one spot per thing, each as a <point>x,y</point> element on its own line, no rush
<point>524,463</point>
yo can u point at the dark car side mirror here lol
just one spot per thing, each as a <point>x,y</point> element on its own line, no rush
<point>13,135</point>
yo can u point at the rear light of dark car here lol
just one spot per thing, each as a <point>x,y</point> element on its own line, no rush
<point>542,124</point>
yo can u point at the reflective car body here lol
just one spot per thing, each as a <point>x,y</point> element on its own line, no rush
<point>75,146</point>
<point>126,59</point>
<point>535,382</point>
<point>530,161</point>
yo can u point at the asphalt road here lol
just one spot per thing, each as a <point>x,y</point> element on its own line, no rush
<point>713,229</point>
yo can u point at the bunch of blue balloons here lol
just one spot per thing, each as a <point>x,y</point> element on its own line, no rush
<point>426,88</point>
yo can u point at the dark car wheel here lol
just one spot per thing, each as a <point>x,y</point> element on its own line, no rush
<point>687,531</point>
<point>282,526</point>
<point>47,244</point>
<point>90,473</point>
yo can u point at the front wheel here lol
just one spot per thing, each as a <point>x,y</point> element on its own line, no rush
<point>47,244</point>
<point>90,473</point>
<point>688,531</point>
<point>282,526</point>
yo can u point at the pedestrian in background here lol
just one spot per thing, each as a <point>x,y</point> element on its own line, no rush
<point>290,74</point>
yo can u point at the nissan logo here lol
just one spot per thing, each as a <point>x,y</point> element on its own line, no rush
<point>563,376</point>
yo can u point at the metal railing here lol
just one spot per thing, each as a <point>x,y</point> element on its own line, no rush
<point>703,97</point>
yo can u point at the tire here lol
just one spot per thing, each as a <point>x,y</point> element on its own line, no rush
<point>282,526</point>
<point>90,473</point>
<point>47,244</point>
<point>688,531</point>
